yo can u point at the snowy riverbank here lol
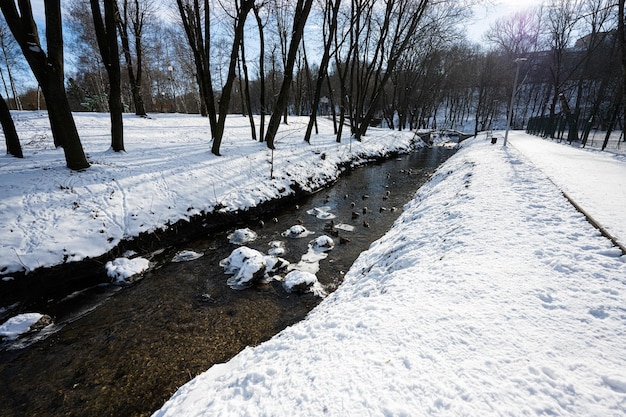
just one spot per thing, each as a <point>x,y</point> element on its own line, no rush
<point>491,295</point>
<point>50,215</point>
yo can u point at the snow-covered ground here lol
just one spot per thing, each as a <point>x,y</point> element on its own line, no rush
<point>50,215</point>
<point>491,295</point>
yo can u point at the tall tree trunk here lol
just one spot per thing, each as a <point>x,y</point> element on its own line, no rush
<point>134,77</point>
<point>224,102</point>
<point>242,98</point>
<point>199,42</point>
<point>48,70</point>
<point>572,134</point>
<point>10,134</point>
<point>247,91</point>
<point>301,15</point>
<point>322,73</point>
<point>261,72</point>
<point>621,30</point>
<point>331,98</point>
<point>106,35</point>
<point>16,98</point>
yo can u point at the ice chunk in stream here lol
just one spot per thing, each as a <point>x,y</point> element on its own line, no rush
<point>241,236</point>
<point>297,231</point>
<point>249,266</point>
<point>186,256</point>
<point>277,248</point>
<point>323,243</point>
<point>302,281</point>
<point>344,227</point>
<point>321,213</point>
<point>123,270</point>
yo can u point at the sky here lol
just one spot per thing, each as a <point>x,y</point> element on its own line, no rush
<point>486,13</point>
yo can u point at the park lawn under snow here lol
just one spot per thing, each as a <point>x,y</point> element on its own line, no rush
<point>50,215</point>
<point>491,295</point>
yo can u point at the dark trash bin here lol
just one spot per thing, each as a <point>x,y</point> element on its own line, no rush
<point>494,140</point>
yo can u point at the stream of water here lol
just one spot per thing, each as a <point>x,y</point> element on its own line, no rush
<point>124,352</point>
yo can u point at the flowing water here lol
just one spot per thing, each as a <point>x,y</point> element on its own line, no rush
<point>124,352</point>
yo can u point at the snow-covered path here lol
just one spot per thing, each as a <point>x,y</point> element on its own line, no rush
<point>491,295</point>
<point>595,180</point>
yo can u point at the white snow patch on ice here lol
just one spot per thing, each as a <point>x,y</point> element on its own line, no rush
<point>317,250</point>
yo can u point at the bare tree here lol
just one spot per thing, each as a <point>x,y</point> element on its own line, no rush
<point>88,86</point>
<point>261,25</point>
<point>283,12</point>
<point>48,69</point>
<point>10,134</point>
<point>563,15</point>
<point>246,91</point>
<point>301,14</point>
<point>598,17</point>
<point>378,35</point>
<point>241,12</point>
<point>132,20</point>
<point>517,35</point>
<point>489,89</point>
<point>195,19</point>
<point>9,49</point>
<point>622,45</point>
<point>106,35</point>
<point>331,12</point>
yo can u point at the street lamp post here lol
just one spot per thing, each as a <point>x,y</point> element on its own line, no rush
<point>510,116</point>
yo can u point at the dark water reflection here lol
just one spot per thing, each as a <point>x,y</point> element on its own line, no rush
<point>129,355</point>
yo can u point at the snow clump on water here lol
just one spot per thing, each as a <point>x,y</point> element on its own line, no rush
<point>302,277</point>
<point>297,231</point>
<point>323,243</point>
<point>303,281</point>
<point>249,266</point>
<point>241,236</point>
<point>277,248</point>
<point>318,250</point>
<point>122,271</point>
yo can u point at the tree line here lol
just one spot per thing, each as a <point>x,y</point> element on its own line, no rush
<point>405,64</point>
